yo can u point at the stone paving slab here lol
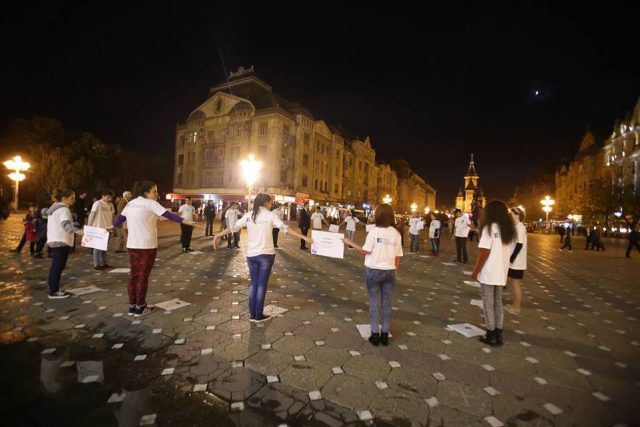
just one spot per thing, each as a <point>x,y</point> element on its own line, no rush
<point>570,358</point>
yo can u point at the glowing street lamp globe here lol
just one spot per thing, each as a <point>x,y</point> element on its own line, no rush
<point>546,203</point>
<point>386,199</point>
<point>16,165</point>
<point>414,207</point>
<point>250,169</point>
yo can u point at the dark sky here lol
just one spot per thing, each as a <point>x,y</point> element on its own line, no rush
<point>431,85</point>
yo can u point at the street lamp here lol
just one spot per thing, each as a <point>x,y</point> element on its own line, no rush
<point>17,165</point>
<point>250,169</point>
<point>427,210</point>
<point>546,203</point>
<point>414,207</point>
<point>386,199</point>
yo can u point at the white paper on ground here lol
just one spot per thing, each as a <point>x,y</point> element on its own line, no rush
<point>466,329</point>
<point>120,270</point>
<point>90,372</point>
<point>274,310</point>
<point>196,252</point>
<point>172,304</point>
<point>472,283</point>
<point>85,290</point>
<point>476,302</point>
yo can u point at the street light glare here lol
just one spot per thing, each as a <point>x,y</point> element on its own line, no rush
<point>250,169</point>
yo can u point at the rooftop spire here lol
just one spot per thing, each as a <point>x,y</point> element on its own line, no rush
<point>472,168</point>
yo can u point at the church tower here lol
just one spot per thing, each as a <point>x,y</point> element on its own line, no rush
<point>471,189</point>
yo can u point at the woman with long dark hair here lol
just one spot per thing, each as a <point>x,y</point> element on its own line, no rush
<point>497,231</point>
<point>142,214</point>
<point>261,253</point>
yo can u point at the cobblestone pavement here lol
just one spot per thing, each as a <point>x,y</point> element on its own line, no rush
<point>570,358</point>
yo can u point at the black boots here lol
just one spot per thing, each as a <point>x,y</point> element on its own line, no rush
<point>491,338</point>
<point>375,339</point>
<point>499,336</point>
<point>384,338</point>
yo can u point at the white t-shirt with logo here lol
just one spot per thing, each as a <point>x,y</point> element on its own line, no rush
<point>462,224</point>
<point>55,230</point>
<point>260,231</point>
<point>385,244</point>
<point>495,269</point>
<point>434,229</point>
<point>142,219</point>
<point>351,222</point>
<point>231,216</point>
<point>520,263</point>
<point>414,224</point>
<point>187,212</point>
<point>102,214</point>
<point>316,220</point>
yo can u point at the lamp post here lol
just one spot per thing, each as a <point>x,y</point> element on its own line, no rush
<point>250,169</point>
<point>17,165</point>
<point>546,203</point>
<point>386,199</point>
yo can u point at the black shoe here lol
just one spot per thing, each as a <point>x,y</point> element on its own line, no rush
<point>490,338</point>
<point>384,338</point>
<point>236,247</point>
<point>499,337</point>
<point>375,338</point>
<point>142,311</point>
<point>132,310</point>
<point>98,268</point>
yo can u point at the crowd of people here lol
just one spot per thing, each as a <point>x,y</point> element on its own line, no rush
<point>133,219</point>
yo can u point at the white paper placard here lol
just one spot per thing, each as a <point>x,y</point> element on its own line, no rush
<point>95,238</point>
<point>466,329</point>
<point>172,304</point>
<point>327,244</point>
<point>274,310</point>
<point>370,227</point>
<point>476,302</point>
<point>420,226</point>
<point>120,270</point>
<point>85,290</point>
<point>472,283</point>
<point>333,228</point>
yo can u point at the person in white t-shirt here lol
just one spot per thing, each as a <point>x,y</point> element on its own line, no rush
<point>317,219</point>
<point>351,221</point>
<point>187,212</point>
<point>260,250</point>
<point>518,260</point>
<point>277,210</point>
<point>434,234</point>
<point>497,232</point>
<point>382,250</point>
<point>462,226</point>
<point>60,238</point>
<point>414,233</point>
<point>231,217</point>
<point>102,215</point>
<point>142,214</point>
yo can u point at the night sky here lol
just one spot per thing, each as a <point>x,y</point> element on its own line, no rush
<point>431,85</point>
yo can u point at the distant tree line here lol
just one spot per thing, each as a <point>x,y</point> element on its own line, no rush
<point>64,158</point>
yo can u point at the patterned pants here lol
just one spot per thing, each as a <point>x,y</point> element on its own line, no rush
<point>492,304</point>
<point>141,262</point>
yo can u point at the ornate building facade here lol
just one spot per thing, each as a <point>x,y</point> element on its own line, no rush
<point>471,190</point>
<point>618,160</point>
<point>303,157</point>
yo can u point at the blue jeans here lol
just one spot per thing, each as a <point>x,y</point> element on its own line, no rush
<point>435,246</point>
<point>350,234</point>
<point>379,286</point>
<point>58,263</point>
<point>415,245</point>
<point>99,258</point>
<point>260,269</point>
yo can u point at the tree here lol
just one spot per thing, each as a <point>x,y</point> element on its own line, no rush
<point>535,186</point>
<point>52,170</point>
